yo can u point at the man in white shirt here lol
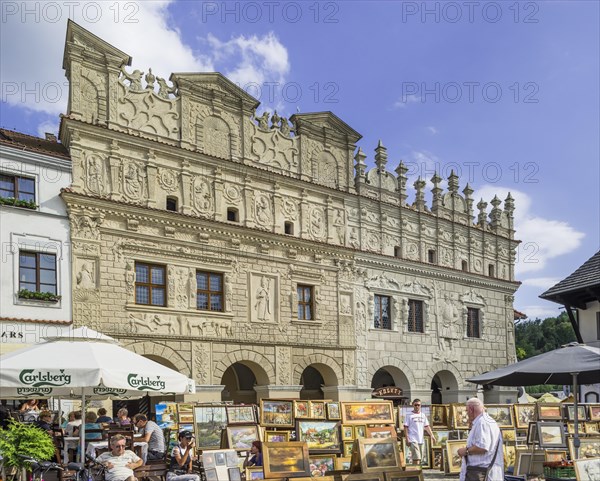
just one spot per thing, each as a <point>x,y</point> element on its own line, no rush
<point>415,424</point>
<point>120,462</point>
<point>484,444</point>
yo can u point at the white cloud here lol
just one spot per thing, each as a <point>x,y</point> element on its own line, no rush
<point>432,129</point>
<point>48,127</point>
<point>542,239</point>
<point>543,283</point>
<point>405,100</point>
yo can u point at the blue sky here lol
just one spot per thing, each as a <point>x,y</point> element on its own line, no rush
<point>505,92</point>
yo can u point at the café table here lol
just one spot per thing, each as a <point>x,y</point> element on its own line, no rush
<point>140,448</point>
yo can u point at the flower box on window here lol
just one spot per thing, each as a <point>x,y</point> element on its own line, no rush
<point>38,296</point>
<point>27,204</point>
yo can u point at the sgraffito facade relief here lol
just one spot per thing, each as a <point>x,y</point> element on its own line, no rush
<point>273,246</point>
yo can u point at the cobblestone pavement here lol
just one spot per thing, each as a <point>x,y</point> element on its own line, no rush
<point>435,475</point>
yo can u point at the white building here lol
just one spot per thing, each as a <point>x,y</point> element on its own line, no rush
<point>35,275</point>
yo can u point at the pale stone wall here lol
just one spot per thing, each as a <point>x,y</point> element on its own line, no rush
<point>353,235</point>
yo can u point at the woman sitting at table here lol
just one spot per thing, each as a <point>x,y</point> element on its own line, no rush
<point>30,410</point>
<point>91,424</point>
<point>45,421</point>
<point>122,417</point>
<point>72,428</point>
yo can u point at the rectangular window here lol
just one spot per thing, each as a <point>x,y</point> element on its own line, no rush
<point>473,322</point>
<point>305,302</point>
<point>150,284</point>
<point>37,272</point>
<point>209,294</point>
<point>415,316</point>
<point>20,188</point>
<point>382,319</point>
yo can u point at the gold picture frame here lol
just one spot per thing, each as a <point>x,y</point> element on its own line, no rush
<point>277,413</point>
<point>381,432</point>
<point>594,414</point>
<point>254,473</point>
<point>240,437</point>
<point>286,460</point>
<point>347,432</point>
<point>367,412</point>
<point>549,411</point>
<point>403,475</point>
<point>524,414</point>
<point>587,469</point>
<point>333,410</point>
<point>554,455</point>
<point>343,463</point>
<point>589,448</point>
<point>377,455</point>
<point>502,414</point>
<point>439,415</point>
<point>277,436</point>
<point>454,460</point>
<point>460,418</point>
<point>317,410</point>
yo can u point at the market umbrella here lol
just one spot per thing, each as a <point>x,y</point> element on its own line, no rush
<point>572,363</point>
<point>85,363</point>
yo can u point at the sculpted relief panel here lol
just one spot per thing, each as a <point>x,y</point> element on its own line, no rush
<point>273,148</point>
<point>263,301</point>
<point>202,196</point>
<point>95,175</point>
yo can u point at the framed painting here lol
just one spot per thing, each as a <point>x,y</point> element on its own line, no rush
<point>343,463</point>
<point>277,436</point>
<point>378,455</point>
<point>347,432</point>
<point>255,472</point>
<point>381,432</point>
<point>319,465</point>
<point>552,456</point>
<point>348,447</point>
<point>211,474</point>
<point>240,437</point>
<point>360,431</point>
<point>220,458</point>
<point>232,458</point>
<point>571,428</point>
<point>403,476</point>
<point>591,428</point>
<point>570,412</point>
<point>441,436</point>
<point>509,456</point>
<point>426,453</point>
<point>501,413</point>
<point>208,459</point>
<point>587,469</point>
<point>301,409</point>
<point>549,411</point>
<point>532,434</point>
<point>209,423</point>
<point>185,413</point>
<point>333,410</point>
<point>367,412</point>
<point>454,460</point>
<point>460,418</point>
<point>590,447</point>
<point>320,436</point>
<point>285,460</point>
<point>276,413</point>
<point>509,435</point>
<point>241,414</point>
<point>317,410</point>
<point>439,415</point>
<point>594,413</point>
<point>437,458</point>
<point>234,474</point>
<point>524,414</point>
<point>364,477</point>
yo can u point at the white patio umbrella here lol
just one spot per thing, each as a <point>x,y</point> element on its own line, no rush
<point>85,363</point>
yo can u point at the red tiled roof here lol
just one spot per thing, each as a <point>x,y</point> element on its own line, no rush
<point>33,321</point>
<point>26,142</point>
<point>519,315</point>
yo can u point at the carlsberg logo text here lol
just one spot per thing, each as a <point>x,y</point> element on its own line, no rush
<point>39,379</point>
<point>142,383</point>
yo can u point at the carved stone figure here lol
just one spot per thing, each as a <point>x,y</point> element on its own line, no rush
<point>317,224</point>
<point>275,119</point>
<point>263,210</point>
<point>202,195</point>
<point>85,277</point>
<point>340,226</point>
<point>163,89</point>
<point>263,300</point>
<point>284,126</point>
<point>345,307</point>
<point>150,79</point>
<point>130,279</point>
<point>135,79</point>
<point>290,209</point>
<point>263,121</point>
<point>94,175</point>
<point>134,180</point>
<point>449,317</point>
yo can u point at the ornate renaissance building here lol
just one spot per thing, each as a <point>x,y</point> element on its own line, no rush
<point>260,255</point>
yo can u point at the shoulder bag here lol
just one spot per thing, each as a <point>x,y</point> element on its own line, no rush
<point>479,473</point>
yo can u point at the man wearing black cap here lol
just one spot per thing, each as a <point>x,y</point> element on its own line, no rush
<point>181,459</point>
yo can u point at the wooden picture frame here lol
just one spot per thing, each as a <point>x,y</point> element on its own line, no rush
<point>549,411</point>
<point>254,473</point>
<point>502,414</point>
<point>277,436</point>
<point>240,437</point>
<point>381,432</point>
<point>367,412</point>
<point>441,436</point>
<point>532,434</point>
<point>439,415</point>
<point>333,410</point>
<point>234,474</point>
<point>591,427</point>
<point>322,437</point>
<point>570,412</point>
<point>348,447</point>
<point>594,412</point>
<point>277,413</point>
<point>360,431</point>
<point>364,477</point>
<point>301,409</point>
<point>211,474</point>
<point>554,455</point>
<point>589,448</point>
<point>403,476</point>
<point>241,414</point>
<point>528,462</point>
<point>209,423</point>
<point>343,463</point>
<point>509,456</point>
<point>509,435</point>
<point>321,464</point>
<point>524,414</point>
<point>454,460</point>
<point>285,460</point>
<point>347,432</point>
<point>377,455</point>
<point>587,469</point>
<point>460,418</point>
<point>317,410</point>
<point>437,458</point>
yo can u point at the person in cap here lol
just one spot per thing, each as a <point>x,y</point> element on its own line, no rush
<point>180,468</point>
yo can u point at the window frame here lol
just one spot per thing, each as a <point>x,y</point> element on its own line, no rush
<point>150,285</point>
<point>38,270</point>
<point>377,308</point>
<point>470,327</point>
<point>422,320</point>
<point>209,292</point>
<point>302,303</point>
<point>16,191</point>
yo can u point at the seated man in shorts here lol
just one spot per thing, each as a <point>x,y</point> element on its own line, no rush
<point>120,462</point>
